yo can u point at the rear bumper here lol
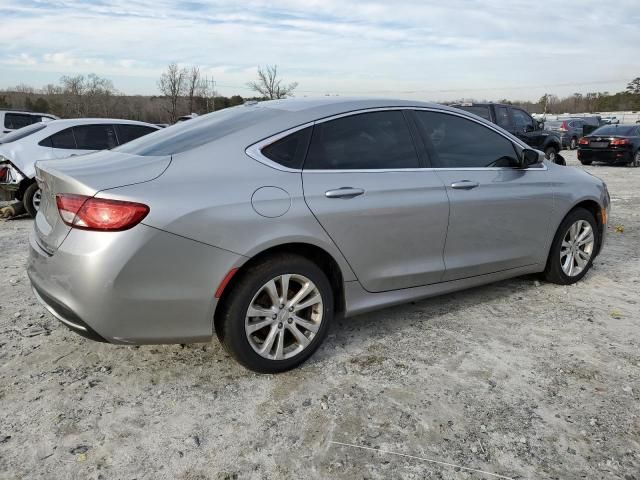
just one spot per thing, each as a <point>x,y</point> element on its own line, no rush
<point>142,286</point>
<point>606,155</point>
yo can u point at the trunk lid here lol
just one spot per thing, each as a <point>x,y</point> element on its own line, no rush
<point>86,175</point>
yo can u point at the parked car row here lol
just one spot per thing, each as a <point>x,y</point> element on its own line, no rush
<point>56,139</point>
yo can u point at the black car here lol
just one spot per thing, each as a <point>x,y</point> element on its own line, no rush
<point>611,144</point>
<point>519,123</point>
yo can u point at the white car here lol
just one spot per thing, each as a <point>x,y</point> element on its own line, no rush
<point>20,150</point>
<point>11,120</point>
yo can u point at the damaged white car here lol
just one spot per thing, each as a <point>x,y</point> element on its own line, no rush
<point>21,149</point>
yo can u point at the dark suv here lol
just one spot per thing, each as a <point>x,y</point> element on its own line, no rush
<point>519,123</point>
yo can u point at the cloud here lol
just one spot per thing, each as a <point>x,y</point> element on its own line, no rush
<point>410,48</point>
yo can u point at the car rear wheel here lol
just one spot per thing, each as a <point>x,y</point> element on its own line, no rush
<point>31,199</point>
<point>277,314</point>
<point>573,248</point>
<point>636,160</point>
<point>574,143</point>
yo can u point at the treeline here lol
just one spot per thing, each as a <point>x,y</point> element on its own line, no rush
<point>592,102</point>
<point>93,96</point>
<point>184,91</point>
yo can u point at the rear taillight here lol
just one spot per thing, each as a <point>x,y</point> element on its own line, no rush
<point>3,173</point>
<point>583,141</point>
<point>563,127</point>
<point>617,142</point>
<point>89,213</point>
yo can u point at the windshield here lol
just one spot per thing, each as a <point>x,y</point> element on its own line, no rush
<point>197,131</point>
<point>22,132</point>
<point>614,130</point>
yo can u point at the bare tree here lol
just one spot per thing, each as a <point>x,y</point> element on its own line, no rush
<point>270,86</point>
<point>173,84</point>
<point>194,86</point>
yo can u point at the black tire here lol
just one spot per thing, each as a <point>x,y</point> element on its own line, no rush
<point>573,144</point>
<point>586,162</point>
<point>230,321</point>
<point>28,199</point>
<point>553,272</point>
<point>550,152</point>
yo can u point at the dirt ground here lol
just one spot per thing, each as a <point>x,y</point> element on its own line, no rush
<point>519,379</point>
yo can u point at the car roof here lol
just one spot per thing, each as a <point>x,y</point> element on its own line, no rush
<point>72,122</point>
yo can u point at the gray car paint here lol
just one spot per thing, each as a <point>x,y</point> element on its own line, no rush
<point>155,282</point>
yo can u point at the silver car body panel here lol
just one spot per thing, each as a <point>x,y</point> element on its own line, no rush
<point>215,206</point>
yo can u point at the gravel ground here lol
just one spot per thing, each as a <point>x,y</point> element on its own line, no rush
<point>519,379</point>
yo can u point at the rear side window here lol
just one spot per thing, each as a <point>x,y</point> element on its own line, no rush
<point>95,137</point>
<point>376,140</point>
<point>18,120</point>
<point>127,132</point>
<point>456,142</point>
<point>62,139</point>
<point>290,150</point>
<point>480,110</point>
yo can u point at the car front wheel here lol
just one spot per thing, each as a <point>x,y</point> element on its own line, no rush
<point>573,248</point>
<point>277,313</point>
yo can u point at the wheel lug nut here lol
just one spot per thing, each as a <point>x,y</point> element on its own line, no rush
<point>291,309</point>
<point>280,325</point>
<point>281,306</point>
<point>290,320</point>
<point>274,316</point>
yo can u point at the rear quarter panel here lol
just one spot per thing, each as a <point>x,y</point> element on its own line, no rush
<point>205,195</point>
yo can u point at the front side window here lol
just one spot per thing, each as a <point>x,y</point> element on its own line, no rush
<point>365,141</point>
<point>456,142</point>
<point>95,137</point>
<point>290,150</point>
<point>522,120</point>
<point>17,120</point>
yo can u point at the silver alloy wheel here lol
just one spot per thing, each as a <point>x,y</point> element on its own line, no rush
<point>36,199</point>
<point>636,160</point>
<point>577,248</point>
<point>284,317</point>
<point>574,144</point>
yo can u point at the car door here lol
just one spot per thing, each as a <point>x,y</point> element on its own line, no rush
<point>364,183</point>
<point>499,213</point>
<point>90,138</point>
<point>525,128</point>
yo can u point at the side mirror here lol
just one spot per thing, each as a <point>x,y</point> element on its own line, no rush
<point>529,157</point>
<point>540,125</point>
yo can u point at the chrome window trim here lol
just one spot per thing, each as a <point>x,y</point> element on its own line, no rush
<point>255,150</point>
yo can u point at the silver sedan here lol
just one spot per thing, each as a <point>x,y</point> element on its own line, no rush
<point>264,222</point>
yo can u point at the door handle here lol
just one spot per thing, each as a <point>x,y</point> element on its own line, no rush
<point>464,185</point>
<point>344,192</point>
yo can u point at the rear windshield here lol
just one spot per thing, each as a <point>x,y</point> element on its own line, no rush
<point>614,130</point>
<point>480,110</point>
<point>553,124</point>
<point>22,132</point>
<point>198,131</point>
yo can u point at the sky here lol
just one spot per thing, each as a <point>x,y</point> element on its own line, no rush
<point>427,50</point>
